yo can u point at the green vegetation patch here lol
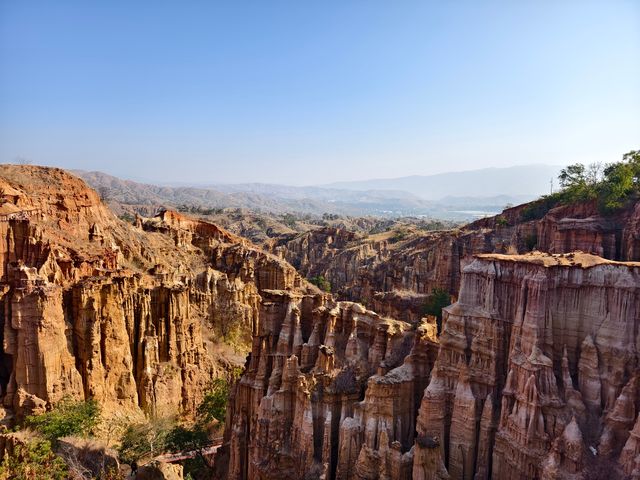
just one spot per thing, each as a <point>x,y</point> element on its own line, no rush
<point>321,282</point>
<point>34,460</point>
<point>439,299</point>
<point>613,186</point>
<point>67,418</point>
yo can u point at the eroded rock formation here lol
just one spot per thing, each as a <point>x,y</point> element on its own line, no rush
<point>395,277</point>
<point>330,388</point>
<point>139,318</point>
<point>537,364</point>
<point>535,372</point>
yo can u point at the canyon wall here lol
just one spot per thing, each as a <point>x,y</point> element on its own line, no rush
<point>323,382</point>
<point>395,277</point>
<point>140,318</point>
<point>534,376</point>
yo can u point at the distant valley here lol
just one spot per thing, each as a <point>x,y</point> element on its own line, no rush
<point>486,192</point>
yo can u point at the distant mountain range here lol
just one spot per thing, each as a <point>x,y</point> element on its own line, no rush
<point>452,196</point>
<point>525,180</point>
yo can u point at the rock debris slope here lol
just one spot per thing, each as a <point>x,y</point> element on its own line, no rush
<point>536,368</point>
<point>140,318</point>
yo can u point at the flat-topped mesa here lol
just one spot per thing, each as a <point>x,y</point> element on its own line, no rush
<point>532,342</point>
<point>138,318</point>
<point>330,388</point>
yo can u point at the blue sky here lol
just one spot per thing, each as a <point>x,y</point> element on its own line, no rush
<point>311,92</point>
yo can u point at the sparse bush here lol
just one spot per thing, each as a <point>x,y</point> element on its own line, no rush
<point>144,439</point>
<point>88,458</point>
<point>104,193</point>
<point>501,221</point>
<point>35,460</point>
<point>321,282</point>
<point>439,299</point>
<point>67,418</point>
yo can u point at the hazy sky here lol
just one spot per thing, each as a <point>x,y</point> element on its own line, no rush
<point>308,92</point>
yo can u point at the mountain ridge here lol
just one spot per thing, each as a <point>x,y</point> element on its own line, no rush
<point>530,179</point>
<point>314,200</point>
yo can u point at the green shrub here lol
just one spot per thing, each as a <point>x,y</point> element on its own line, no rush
<point>35,460</point>
<point>439,299</point>
<point>539,208</point>
<point>215,400</point>
<point>144,439</point>
<point>321,282</point>
<point>289,220</point>
<point>399,235</point>
<point>613,186</point>
<point>127,217</point>
<point>501,221</point>
<point>68,417</point>
<point>194,439</point>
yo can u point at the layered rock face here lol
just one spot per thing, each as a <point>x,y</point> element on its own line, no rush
<point>538,361</point>
<point>330,389</point>
<point>140,318</point>
<point>395,279</point>
<point>535,371</point>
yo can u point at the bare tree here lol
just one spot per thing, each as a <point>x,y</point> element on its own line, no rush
<point>104,192</point>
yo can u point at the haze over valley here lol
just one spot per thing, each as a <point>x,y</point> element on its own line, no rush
<point>486,192</point>
<point>335,240</point>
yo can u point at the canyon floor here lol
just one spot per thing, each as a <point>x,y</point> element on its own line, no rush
<point>530,371</point>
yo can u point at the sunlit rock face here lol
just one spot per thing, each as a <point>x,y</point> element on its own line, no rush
<point>140,318</point>
<point>395,279</point>
<point>538,362</point>
<point>536,369</point>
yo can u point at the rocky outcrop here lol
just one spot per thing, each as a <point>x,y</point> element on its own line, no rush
<point>538,357</point>
<point>160,471</point>
<point>396,276</point>
<point>139,318</point>
<point>534,376</point>
<point>330,389</point>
